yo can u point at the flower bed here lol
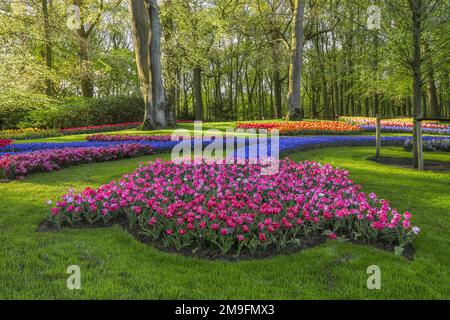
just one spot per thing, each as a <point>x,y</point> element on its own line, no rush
<point>33,133</point>
<point>22,164</point>
<point>36,146</point>
<point>407,122</point>
<point>158,146</point>
<point>287,144</point>
<point>304,127</point>
<point>106,127</point>
<point>432,145</point>
<point>26,151</point>
<point>127,137</point>
<point>234,209</point>
<point>405,129</point>
<point>290,144</point>
<point>5,142</point>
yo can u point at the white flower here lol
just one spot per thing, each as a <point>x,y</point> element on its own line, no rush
<point>416,230</point>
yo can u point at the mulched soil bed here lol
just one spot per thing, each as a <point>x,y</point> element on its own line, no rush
<point>304,243</point>
<point>407,163</point>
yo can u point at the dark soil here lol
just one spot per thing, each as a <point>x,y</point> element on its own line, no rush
<point>408,163</point>
<point>211,254</point>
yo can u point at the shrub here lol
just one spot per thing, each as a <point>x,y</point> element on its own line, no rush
<point>14,107</point>
<point>78,112</point>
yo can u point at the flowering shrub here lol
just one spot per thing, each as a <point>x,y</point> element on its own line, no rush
<point>407,122</point>
<point>126,137</point>
<point>233,208</point>
<point>22,164</point>
<point>5,142</point>
<point>430,145</point>
<point>303,127</point>
<point>33,133</point>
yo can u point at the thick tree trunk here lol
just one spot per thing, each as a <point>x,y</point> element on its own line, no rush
<point>146,31</point>
<point>171,67</point>
<point>160,105</point>
<point>197,92</point>
<point>295,110</point>
<point>86,82</point>
<point>140,26</point>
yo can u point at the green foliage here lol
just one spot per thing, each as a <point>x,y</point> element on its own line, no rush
<point>15,106</point>
<point>77,112</point>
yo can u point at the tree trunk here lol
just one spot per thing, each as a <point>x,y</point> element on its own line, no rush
<point>276,81</point>
<point>146,31</point>
<point>171,68</point>
<point>277,92</point>
<point>295,111</point>
<point>161,108</point>
<point>435,112</point>
<point>47,46</point>
<point>197,92</point>
<point>86,82</point>
<point>140,26</point>
<point>416,8</point>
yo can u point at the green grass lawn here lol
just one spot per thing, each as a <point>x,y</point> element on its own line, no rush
<point>114,265</point>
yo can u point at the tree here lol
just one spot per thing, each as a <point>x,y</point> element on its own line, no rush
<point>48,44</point>
<point>83,32</point>
<point>146,30</point>
<point>295,70</point>
<point>415,20</point>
